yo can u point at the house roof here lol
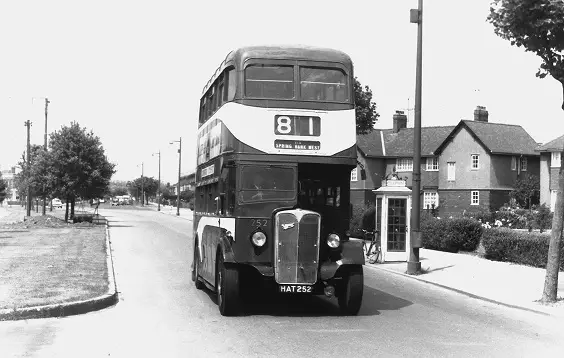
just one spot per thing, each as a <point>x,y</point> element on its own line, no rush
<point>555,144</point>
<point>497,138</point>
<point>386,143</point>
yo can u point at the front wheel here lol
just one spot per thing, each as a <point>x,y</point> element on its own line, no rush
<point>352,288</point>
<point>227,285</point>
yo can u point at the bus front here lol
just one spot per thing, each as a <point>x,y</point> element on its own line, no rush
<point>288,144</point>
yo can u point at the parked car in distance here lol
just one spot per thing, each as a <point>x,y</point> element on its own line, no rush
<point>57,203</point>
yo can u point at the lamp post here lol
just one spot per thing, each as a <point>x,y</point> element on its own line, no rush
<point>179,168</point>
<point>159,187</point>
<point>414,265</point>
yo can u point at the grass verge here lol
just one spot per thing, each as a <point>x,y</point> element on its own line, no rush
<point>53,264</point>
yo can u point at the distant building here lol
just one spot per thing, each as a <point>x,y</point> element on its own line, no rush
<point>9,175</point>
<point>187,182</point>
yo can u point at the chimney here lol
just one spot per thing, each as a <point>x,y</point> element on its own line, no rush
<point>480,114</point>
<point>400,121</point>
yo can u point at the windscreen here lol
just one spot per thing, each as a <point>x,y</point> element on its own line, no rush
<point>269,81</point>
<point>260,183</point>
<point>323,84</point>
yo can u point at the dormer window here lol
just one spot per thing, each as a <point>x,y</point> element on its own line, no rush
<point>555,160</point>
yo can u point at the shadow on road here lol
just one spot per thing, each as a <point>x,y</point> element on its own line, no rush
<point>272,304</point>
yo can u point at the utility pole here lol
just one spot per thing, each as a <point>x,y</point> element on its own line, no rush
<point>45,148</point>
<point>179,168</point>
<point>414,265</point>
<point>28,199</point>
<point>159,187</point>
<point>142,188</point>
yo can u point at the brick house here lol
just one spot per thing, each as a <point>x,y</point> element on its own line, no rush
<point>468,167</point>
<point>187,182</point>
<point>479,163</point>
<point>550,159</point>
<point>384,151</point>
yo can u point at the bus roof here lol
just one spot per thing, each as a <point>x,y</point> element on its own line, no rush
<point>238,56</point>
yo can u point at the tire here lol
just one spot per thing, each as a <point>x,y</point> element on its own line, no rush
<point>227,285</point>
<point>352,287</point>
<point>196,268</point>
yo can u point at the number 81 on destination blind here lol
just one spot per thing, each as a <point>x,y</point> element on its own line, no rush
<point>297,125</point>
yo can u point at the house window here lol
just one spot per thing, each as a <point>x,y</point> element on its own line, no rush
<point>433,164</point>
<point>450,171</point>
<point>475,197</point>
<point>555,160</point>
<point>513,163</point>
<point>430,198</point>
<point>475,161</point>
<point>524,164</point>
<point>354,174</point>
<point>404,164</point>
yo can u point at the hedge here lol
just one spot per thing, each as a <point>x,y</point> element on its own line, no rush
<point>451,235</point>
<point>518,247</point>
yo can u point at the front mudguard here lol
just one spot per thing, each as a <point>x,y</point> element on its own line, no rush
<point>226,251</point>
<point>352,253</point>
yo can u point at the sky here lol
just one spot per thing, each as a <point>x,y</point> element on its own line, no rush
<point>133,71</point>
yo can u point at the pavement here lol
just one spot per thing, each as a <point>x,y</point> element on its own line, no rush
<point>502,283</point>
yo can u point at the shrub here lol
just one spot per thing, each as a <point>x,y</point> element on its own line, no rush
<point>518,247</point>
<point>363,217</point>
<point>435,235</point>
<point>451,235</point>
<point>466,233</point>
<point>543,218</point>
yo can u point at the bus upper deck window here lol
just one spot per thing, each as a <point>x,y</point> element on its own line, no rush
<point>263,81</point>
<point>323,84</point>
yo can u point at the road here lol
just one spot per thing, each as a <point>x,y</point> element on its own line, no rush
<point>161,314</point>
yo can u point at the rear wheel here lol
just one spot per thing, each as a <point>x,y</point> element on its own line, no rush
<point>227,284</point>
<point>352,288</point>
<point>196,268</point>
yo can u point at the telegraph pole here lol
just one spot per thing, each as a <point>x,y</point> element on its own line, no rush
<point>159,187</point>
<point>142,188</point>
<point>28,199</point>
<point>45,148</point>
<point>414,265</point>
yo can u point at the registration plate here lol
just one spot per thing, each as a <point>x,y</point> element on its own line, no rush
<point>295,288</point>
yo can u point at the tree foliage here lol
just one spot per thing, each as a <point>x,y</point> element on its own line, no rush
<point>366,115</point>
<point>78,166</point>
<point>538,27</point>
<point>3,189</point>
<point>117,188</point>
<point>525,189</point>
<point>24,178</point>
<point>149,187</point>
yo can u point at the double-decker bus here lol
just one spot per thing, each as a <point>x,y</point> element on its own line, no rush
<point>276,146</point>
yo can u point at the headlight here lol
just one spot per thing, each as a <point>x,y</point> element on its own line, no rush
<point>258,238</point>
<point>333,240</point>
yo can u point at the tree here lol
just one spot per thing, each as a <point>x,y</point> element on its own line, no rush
<point>538,27</point>
<point>366,115</point>
<point>525,190</point>
<point>3,189</point>
<point>118,188</point>
<point>78,165</point>
<point>149,187</point>
<point>24,178</point>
